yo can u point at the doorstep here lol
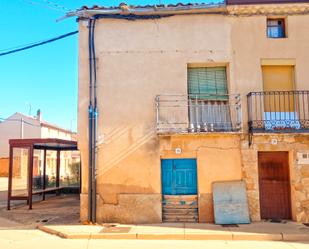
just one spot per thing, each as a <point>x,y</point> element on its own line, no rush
<point>266,231</point>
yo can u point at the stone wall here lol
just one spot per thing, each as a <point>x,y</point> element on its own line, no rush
<point>301,187</point>
<point>129,209</point>
<point>299,174</point>
<point>250,176</point>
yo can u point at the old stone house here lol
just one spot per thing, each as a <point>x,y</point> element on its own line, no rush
<point>174,98</point>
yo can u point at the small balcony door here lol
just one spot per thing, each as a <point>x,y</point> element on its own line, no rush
<point>208,99</point>
<point>280,106</point>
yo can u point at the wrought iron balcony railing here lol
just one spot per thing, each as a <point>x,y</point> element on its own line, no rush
<point>195,113</point>
<point>278,111</point>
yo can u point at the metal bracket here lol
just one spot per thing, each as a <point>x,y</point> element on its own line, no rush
<point>250,137</point>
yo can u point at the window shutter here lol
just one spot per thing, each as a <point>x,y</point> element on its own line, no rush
<point>208,82</point>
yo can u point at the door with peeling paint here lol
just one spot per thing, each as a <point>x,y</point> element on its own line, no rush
<point>179,189</point>
<point>179,177</point>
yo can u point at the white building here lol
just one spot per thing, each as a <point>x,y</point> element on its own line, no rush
<point>20,126</point>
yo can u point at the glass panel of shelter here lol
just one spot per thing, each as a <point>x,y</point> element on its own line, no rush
<point>19,170</point>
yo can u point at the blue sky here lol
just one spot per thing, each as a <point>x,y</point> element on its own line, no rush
<point>44,77</point>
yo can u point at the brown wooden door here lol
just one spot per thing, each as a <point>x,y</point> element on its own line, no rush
<point>274,184</point>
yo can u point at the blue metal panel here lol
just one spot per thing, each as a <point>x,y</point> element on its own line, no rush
<point>179,176</point>
<point>230,203</point>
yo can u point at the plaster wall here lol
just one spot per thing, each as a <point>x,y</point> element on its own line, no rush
<point>218,159</point>
<point>55,133</point>
<point>137,60</point>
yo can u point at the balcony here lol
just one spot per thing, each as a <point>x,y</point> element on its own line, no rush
<point>198,113</point>
<point>278,111</point>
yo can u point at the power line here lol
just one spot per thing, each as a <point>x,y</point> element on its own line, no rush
<point>19,46</point>
<point>52,3</point>
<point>44,5</point>
<point>39,43</point>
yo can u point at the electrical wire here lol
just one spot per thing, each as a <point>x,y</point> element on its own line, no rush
<point>46,5</point>
<point>42,5</point>
<point>38,43</point>
<point>20,46</point>
<point>52,3</point>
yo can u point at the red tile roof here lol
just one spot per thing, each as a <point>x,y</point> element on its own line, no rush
<point>223,2</point>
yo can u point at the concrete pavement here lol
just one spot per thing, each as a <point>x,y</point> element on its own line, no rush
<point>58,210</point>
<point>266,231</point>
<point>35,239</point>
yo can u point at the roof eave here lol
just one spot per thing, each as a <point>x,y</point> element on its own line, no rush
<point>178,10</point>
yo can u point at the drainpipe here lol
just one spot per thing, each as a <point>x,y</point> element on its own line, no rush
<point>90,117</point>
<point>92,181</point>
<point>94,168</point>
<point>95,113</point>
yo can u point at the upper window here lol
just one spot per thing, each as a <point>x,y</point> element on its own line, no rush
<point>207,82</point>
<point>275,28</point>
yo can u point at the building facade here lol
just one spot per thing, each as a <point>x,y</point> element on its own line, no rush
<point>189,95</point>
<point>21,126</point>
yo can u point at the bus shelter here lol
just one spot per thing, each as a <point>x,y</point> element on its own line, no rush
<point>41,165</point>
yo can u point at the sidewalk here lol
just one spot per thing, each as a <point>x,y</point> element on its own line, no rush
<point>266,231</point>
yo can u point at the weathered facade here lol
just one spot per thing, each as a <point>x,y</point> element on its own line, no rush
<point>149,110</point>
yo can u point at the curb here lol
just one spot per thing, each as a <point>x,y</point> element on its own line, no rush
<point>176,236</point>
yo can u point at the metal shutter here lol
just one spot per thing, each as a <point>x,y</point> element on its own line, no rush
<point>207,82</point>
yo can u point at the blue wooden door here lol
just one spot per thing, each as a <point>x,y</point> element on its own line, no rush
<point>179,176</point>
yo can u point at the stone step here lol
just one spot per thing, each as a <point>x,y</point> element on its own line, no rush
<point>180,220</point>
<point>180,197</point>
<point>180,206</point>
<point>178,216</point>
<point>180,203</point>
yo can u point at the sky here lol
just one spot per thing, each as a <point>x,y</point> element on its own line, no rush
<point>44,77</point>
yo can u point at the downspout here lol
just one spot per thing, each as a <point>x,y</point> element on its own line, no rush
<point>95,113</point>
<point>90,117</point>
<point>92,181</point>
